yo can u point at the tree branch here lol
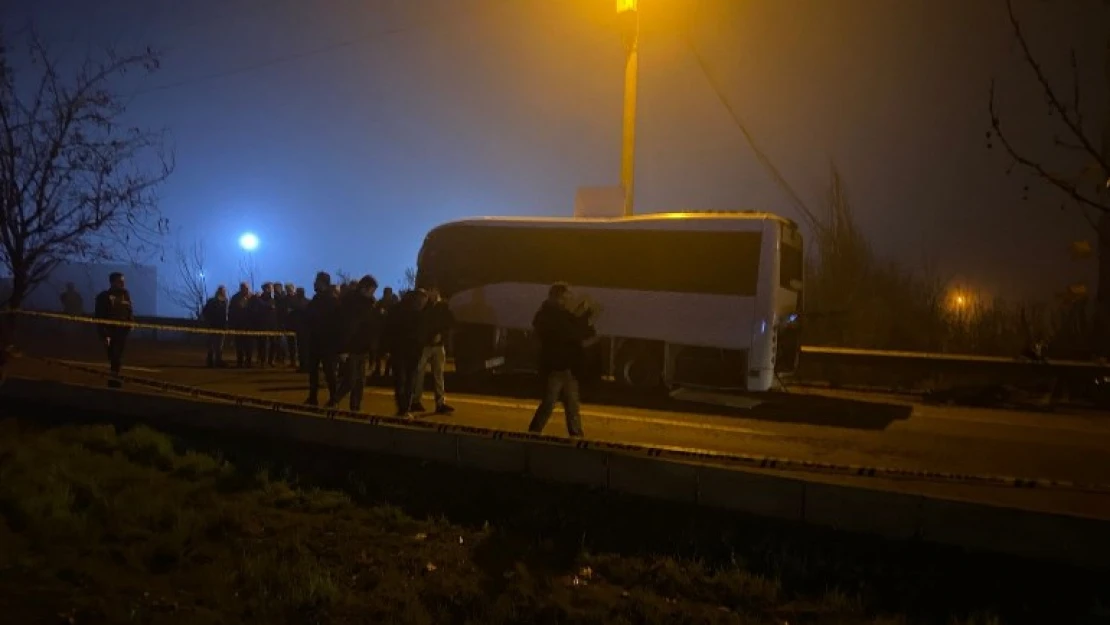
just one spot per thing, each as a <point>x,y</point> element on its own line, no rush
<point>1060,183</point>
<point>1075,101</point>
<point>190,291</point>
<point>74,183</point>
<point>1075,126</point>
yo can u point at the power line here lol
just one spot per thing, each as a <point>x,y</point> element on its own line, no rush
<point>297,56</point>
<point>760,155</point>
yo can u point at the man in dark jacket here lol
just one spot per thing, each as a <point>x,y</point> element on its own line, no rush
<point>358,312</point>
<point>437,323</point>
<point>277,343</point>
<point>291,302</point>
<point>297,323</point>
<point>562,336</point>
<point>114,305</point>
<point>215,317</point>
<point>322,325</point>
<point>404,337</point>
<point>264,318</point>
<point>239,318</point>
<point>383,366</point>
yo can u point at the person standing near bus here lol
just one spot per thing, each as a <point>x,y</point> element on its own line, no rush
<point>114,305</point>
<point>562,334</point>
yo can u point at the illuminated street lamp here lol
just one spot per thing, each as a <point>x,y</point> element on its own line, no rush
<point>629,14</point>
<point>961,302</point>
<point>248,241</point>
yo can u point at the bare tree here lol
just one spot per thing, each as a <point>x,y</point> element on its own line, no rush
<point>189,292</point>
<point>408,280</point>
<point>1087,188</point>
<point>75,182</point>
<point>248,269</point>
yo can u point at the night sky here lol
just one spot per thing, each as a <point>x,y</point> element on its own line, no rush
<point>340,131</point>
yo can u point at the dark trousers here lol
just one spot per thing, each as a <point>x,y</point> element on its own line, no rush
<point>559,385</point>
<point>265,355</point>
<point>383,364</point>
<point>244,349</point>
<point>277,349</point>
<point>353,381</point>
<point>329,360</point>
<point>405,364</point>
<point>215,350</point>
<point>114,345</point>
<point>293,348</point>
<point>302,351</point>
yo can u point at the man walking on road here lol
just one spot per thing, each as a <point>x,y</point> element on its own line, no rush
<point>404,331</point>
<point>437,323</point>
<point>114,305</point>
<point>562,336</point>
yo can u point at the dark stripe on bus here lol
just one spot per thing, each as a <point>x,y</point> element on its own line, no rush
<point>460,257</point>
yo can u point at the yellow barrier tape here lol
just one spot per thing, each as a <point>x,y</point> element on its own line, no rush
<point>146,326</point>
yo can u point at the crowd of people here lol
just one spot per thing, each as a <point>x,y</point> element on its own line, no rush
<point>343,330</point>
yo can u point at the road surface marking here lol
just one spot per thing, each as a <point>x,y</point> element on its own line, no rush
<point>83,363</point>
<point>611,416</point>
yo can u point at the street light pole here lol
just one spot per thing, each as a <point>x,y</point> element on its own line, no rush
<point>629,13</point>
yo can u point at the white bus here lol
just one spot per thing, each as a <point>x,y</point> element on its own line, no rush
<point>709,299</point>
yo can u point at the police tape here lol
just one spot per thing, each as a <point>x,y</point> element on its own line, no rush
<point>700,456</point>
<point>145,326</point>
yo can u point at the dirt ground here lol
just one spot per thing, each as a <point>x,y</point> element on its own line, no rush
<point>100,524</point>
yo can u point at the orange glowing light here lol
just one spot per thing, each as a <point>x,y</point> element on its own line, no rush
<point>624,6</point>
<point>960,301</point>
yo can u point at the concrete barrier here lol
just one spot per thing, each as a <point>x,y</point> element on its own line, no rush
<point>651,477</point>
<point>752,493</point>
<point>1085,542</point>
<point>425,445</point>
<point>574,465</point>
<point>493,454</point>
<point>894,515</point>
<point>891,515</point>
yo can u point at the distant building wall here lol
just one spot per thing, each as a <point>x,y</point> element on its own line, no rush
<point>89,280</point>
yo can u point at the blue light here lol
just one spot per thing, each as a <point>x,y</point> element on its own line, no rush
<point>249,241</point>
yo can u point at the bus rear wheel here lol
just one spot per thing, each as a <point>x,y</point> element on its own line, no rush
<point>640,366</point>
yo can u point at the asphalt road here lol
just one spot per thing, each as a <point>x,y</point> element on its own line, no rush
<point>859,430</point>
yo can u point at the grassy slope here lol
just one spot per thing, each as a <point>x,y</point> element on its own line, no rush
<point>104,527</point>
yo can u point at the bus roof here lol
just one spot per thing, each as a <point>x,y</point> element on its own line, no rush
<point>693,220</point>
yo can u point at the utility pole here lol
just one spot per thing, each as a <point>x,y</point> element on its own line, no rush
<point>629,14</point>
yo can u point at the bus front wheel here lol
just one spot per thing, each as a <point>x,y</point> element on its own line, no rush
<point>640,366</point>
